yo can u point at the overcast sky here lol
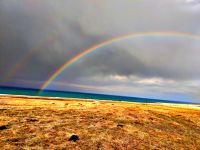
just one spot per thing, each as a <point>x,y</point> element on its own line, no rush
<point>41,35</point>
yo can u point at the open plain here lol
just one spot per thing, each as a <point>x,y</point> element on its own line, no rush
<point>57,123</point>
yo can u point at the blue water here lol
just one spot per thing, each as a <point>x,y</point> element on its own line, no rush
<point>49,93</point>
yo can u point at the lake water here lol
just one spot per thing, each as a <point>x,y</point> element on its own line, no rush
<point>49,93</point>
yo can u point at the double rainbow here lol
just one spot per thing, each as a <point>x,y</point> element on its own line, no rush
<point>93,48</point>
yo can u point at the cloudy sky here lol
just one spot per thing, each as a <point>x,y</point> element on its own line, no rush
<point>38,36</point>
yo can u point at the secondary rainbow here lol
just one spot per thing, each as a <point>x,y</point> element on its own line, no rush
<point>51,37</point>
<point>85,52</point>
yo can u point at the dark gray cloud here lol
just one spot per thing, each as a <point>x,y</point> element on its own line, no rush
<point>57,30</point>
<point>149,57</point>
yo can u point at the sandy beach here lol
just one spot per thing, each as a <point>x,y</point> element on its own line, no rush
<point>51,123</point>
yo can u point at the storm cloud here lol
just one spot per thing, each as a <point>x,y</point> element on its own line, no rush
<point>42,35</point>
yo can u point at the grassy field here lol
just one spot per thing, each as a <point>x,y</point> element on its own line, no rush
<point>47,123</point>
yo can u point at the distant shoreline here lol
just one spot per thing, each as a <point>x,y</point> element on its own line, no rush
<point>86,96</point>
<point>43,98</point>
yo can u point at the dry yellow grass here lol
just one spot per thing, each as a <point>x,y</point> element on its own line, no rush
<point>45,123</point>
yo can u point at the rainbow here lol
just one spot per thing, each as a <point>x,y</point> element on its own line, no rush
<point>25,58</point>
<point>93,48</point>
<point>49,39</point>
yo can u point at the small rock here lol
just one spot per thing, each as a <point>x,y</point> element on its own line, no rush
<point>120,125</point>
<point>73,138</point>
<point>151,118</point>
<point>4,127</point>
<point>14,140</point>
